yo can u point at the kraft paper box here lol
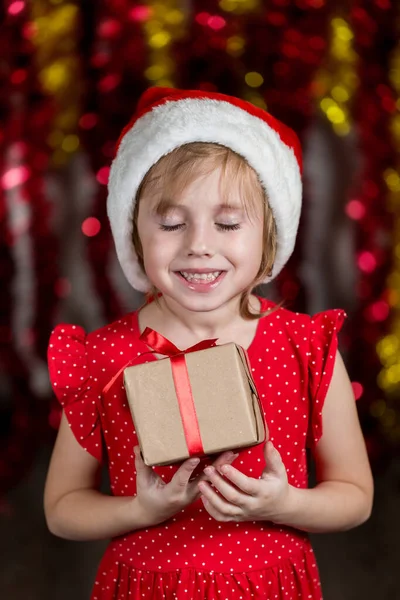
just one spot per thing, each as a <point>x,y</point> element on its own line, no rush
<point>227,406</point>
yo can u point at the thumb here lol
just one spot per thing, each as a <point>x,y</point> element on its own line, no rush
<point>273,461</point>
<point>184,473</point>
<point>141,468</point>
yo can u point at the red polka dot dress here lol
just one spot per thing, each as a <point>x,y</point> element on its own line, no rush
<point>192,556</point>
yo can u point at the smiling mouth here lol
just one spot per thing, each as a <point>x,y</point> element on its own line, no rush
<point>200,277</point>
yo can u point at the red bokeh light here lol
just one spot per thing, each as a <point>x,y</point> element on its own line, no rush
<point>358,389</point>
<point>202,18</point>
<point>277,19</point>
<point>109,28</point>
<point>109,82</point>
<point>16,7</point>
<point>366,262</point>
<point>18,76</point>
<point>378,311</point>
<point>14,177</point>
<point>216,22</point>
<point>91,226</point>
<point>103,175</point>
<point>355,210</point>
<point>88,121</point>
<point>140,13</point>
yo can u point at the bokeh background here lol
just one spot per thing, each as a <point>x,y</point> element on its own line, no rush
<point>70,75</point>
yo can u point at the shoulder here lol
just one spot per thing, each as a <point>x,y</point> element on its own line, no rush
<point>297,323</point>
<point>73,354</point>
<point>306,332</point>
<point>72,339</point>
<point>278,317</point>
<point>113,333</point>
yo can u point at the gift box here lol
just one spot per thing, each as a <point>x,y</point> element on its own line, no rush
<point>194,403</point>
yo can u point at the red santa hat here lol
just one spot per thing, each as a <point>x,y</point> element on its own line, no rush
<point>168,118</point>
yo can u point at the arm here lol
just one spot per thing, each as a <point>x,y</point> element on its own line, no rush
<point>342,498</point>
<point>76,510</point>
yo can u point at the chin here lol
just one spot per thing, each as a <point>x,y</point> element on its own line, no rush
<point>202,302</point>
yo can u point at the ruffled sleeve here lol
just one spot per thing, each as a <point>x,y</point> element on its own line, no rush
<point>73,385</point>
<point>322,353</point>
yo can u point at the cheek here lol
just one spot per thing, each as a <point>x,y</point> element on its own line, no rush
<point>158,250</point>
<point>250,245</point>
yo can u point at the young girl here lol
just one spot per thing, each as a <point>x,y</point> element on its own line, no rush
<point>204,203</point>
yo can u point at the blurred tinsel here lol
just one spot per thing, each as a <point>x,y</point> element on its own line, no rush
<point>70,75</point>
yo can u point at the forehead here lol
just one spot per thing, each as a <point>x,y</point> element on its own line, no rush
<point>218,190</point>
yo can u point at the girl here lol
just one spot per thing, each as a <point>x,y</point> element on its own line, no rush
<point>204,203</point>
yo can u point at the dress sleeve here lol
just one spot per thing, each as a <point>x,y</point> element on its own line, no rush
<point>322,353</point>
<point>73,386</point>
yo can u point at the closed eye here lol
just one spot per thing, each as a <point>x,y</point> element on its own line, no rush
<point>225,227</point>
<point>172,227</point>
<point>221,226</point>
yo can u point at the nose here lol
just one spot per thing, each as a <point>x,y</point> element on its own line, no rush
<point>200,241</point>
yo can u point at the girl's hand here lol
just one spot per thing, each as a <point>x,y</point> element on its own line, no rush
<point>248,499</point>
<point>157,500</point>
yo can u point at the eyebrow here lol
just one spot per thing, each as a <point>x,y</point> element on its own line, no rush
<point>226,206</point>
<point>164,206</point>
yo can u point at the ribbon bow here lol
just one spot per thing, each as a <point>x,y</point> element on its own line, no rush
<point>161,345</point>
<point>183,389</point>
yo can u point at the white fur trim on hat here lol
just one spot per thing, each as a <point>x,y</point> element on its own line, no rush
<point>175,123</point>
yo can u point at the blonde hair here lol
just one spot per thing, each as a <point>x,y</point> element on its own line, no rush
<point>178,169</point>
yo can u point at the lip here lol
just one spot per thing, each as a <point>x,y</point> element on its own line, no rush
<point>201,271</point>
<point>204,287</point>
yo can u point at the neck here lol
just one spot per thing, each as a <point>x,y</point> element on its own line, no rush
<point>185,328</point>
<point>200,325</point>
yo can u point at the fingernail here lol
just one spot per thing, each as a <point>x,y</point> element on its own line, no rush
<point>208,470</point>
<point>194,462</point>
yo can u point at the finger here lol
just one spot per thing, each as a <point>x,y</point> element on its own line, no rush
<point>139,462</point>
<point>228,491</point>
<point>144,473</point>
<point>212,512</point>
<point>219,505</point>
<point>224,459</point>
<point>247,485</point>
<point>273,461</point>
<point>184,473</point>
<point>193,489</point>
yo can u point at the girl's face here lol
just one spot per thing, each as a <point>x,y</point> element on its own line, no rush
<point>201,253</point>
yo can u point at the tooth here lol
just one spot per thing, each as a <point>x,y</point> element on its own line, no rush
<point>201,276</point>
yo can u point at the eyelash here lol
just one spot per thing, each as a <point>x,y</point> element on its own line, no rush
<point>221,226</point>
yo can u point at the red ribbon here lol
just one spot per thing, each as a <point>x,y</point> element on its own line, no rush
<point>183,389</point>
<point>160,345</point>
